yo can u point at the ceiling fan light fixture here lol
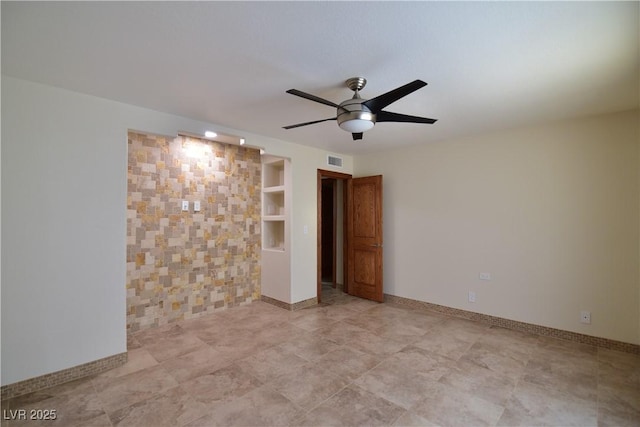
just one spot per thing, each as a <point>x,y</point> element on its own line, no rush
<point>357,125</point>
<point>357,115</point>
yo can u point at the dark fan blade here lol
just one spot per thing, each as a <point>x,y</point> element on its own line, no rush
<point>379,102</point>
<point>388,116</point>
<point>308,96</point>
<point>357,136</point>
<point>308,123</point>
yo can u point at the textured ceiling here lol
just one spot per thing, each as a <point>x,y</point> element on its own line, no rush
<point>489,66</point>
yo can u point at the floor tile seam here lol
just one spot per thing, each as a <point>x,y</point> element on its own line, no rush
<point>469,358</point>
<point>413,405</point>
<point>213,405</point>
<point>96,395</point>
<point>414,339</point>
<point>497,423</point>
<point>236,365</point>
<point>304,412</point>
<point>402,414</point>
<point>201,346</point>
<point>160,340</point>
<point>130,374</point>
<point>547,354</point>
<point>208,344</point>
<point>206,414</point>
<point>156,330</point>
<point>561,385</point>
<point>598,403</point>
<point>559,371</point>
<point>511,382</point>
<point>425,329</point>
<point>349,382</point>
<point>607,366</point>
<point>572,395</point>
<point>267,347</point>
<point>104,408</point>
<point>614,394</point>
<point>470,394</point>
<point>90,379</point>
<point>110,380</point>
<point>314,360</point>
<point>228,362</point>
<point>268,380</point>
<point>154,395</point>
<point>607,384</point>
<point>552,356</point>
<point>380,362</point>
<point>336,393</point>
<point>355,326</point>
<point>140,403</point>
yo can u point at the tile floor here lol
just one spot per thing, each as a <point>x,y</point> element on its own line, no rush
<point>348,362</point>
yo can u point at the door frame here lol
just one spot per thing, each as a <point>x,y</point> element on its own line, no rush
<point>344,178</point>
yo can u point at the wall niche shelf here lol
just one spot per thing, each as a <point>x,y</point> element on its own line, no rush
<point>276,208</point>
<point>274,204</point>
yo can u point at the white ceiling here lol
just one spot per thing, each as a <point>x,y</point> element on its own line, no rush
<point>489,65</point>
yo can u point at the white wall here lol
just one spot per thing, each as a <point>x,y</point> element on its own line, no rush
<point>550,211</point>
<point>64,187</point>
<point>304,166</point>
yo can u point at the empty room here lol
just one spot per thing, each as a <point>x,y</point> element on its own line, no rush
<point>320,213</point>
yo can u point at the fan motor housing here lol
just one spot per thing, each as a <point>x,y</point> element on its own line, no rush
<point>353,109</point>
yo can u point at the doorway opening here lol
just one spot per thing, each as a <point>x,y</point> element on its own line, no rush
<point>332,231</point>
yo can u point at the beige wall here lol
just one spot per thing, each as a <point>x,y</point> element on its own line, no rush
<point>305,162</point>
<point>64,198</point>
<point>551,212</point>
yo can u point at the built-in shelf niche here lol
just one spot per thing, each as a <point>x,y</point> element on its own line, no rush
<point>276,224</point>
<point>273,174</point>
<point>273,238</point>
<point>274,203</point>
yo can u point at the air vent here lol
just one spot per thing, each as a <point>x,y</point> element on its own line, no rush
<point>334,161</point>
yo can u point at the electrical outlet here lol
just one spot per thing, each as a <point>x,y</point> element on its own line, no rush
<point>185,205</point>
<point>196,206</point>
<point>585,317</point>
<point>472,296</point>
<point>484,276</point>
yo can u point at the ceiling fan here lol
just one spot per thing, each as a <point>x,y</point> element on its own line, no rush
<point>357,115</point>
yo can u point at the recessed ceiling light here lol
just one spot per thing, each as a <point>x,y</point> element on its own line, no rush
<point>210,134</point>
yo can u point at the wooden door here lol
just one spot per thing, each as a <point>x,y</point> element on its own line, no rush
<point>364,228</point>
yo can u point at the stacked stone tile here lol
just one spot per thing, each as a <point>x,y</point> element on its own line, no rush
<point>184,264</point>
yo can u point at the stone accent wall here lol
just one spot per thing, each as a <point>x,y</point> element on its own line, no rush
<point>184,264</point>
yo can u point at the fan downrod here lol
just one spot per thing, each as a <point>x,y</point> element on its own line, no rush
<point>356,83</point>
